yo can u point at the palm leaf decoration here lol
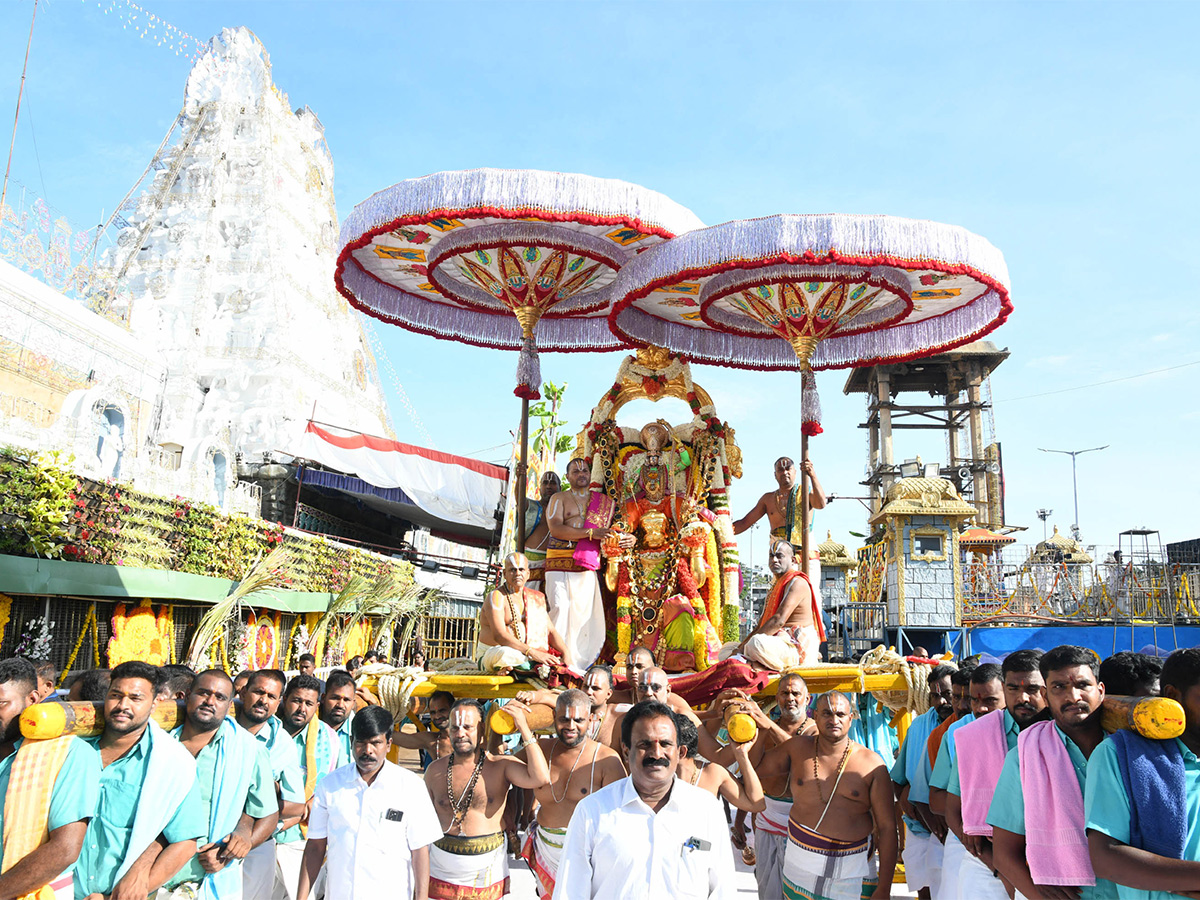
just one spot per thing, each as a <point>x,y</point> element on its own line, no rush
<point>266,574</point>
<point>329,631</point>
<point>409,604</point>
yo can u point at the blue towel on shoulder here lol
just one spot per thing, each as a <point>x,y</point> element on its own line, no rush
<point>1154,782</point>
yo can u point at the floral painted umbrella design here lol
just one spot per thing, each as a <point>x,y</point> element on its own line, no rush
<point>484,256</point>
<point>805,292</point>
<point>502,258</point>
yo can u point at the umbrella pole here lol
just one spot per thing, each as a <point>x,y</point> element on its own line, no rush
<point>803,504</point>
<point>523,475</point>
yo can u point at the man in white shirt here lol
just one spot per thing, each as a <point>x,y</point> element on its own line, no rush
<point>649,835</point>
<point>372,822</point>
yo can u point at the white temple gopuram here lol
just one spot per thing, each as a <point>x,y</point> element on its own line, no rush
<point>220,333</point>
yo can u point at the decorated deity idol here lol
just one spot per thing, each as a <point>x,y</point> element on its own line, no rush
<point>670,560</point>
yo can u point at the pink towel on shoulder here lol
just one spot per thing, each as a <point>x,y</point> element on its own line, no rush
<point>979,753</point>
<point>1055,840</point>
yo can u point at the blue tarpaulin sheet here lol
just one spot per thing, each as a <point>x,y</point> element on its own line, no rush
<point>1104,639</point>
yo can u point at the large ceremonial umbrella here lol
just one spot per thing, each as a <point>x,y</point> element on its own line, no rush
<point>813,292</point>
<point>502,258</point>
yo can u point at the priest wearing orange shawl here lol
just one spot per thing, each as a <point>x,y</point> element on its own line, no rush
<point>514,626</point>
<point>790,632</point>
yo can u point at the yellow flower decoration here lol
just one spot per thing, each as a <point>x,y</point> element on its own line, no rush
<point>136,634</point>
<point>358,640</point>
<point>5,612</point>
<point>266,643</point>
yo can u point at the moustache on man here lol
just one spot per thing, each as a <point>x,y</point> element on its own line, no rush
<point>664,763</point>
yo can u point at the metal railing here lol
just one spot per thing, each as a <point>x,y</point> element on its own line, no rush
<point>447,638</point>
<point>1145,590</point>
<point>859,628</point>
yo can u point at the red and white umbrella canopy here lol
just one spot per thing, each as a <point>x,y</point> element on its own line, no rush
<point>484,256</point>
<point>826,291</point>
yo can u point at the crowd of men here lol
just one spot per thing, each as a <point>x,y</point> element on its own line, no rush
<point>275,787</point>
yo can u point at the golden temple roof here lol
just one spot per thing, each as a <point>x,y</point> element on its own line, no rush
<point>923,497</point>
<point>1072,551</point>
<point>835,554</point>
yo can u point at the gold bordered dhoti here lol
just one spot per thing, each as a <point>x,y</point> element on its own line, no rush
<point>468,868</point>
<point>816,867</point>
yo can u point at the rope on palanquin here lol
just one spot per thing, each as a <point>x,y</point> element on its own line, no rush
<point>883,660</point>
<point>395,689</point>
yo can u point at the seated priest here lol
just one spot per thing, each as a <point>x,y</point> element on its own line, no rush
<point>790,632</point>
<point>514,626</point>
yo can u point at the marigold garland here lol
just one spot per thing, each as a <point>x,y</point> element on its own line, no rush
<point>5,612</point>
<point>290,650</point>
<point>699,636</point>
<point>166,629</point>
<point>136,635</point>
<point>624,619</point>
<point>89,623</point>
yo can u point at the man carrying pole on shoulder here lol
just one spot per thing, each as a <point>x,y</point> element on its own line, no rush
<point>469,789</point>
<point>841,797</point>
<point>1142,801</point>
<point>150,814</point>
<point>1037,814</point>
<point>49,790</point>
<point>570,749</point>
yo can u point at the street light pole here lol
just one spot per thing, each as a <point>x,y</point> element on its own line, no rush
<point>1044,514</point>
<point>1074,482</point>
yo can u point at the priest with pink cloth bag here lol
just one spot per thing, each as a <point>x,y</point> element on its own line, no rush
<point>578,518</point>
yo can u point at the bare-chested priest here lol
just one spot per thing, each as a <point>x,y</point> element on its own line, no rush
<point>771,825</point>
<point>652,683</point>
<point>790,631</point>
<point>579,519</point>
<point>744,791</point>
<point>579,766</point>
<point>782,506</point>
<point>514,626</point>
<point>598,688</point>
<point>841,796</point>
<point>469,789</point>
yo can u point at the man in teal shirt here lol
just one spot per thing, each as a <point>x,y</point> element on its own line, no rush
<point>1024,702</point>
<point>236,790</point>
<point>917,871</point>
<point>1141,874</point>
<point>298,713</point>
<point>260,702</point>
<point>148,818</point>
<point>1074,695</point>
<point>986,694</point>
<point>337,711</point>
<point>70,799</point>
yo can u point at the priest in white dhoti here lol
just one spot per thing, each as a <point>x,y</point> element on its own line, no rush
<point>579,519</point>
<point>514,626</point>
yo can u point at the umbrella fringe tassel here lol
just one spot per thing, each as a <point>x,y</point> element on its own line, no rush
<point>529,372</point>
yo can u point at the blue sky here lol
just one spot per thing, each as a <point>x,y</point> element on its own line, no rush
<point>1064,133</point>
